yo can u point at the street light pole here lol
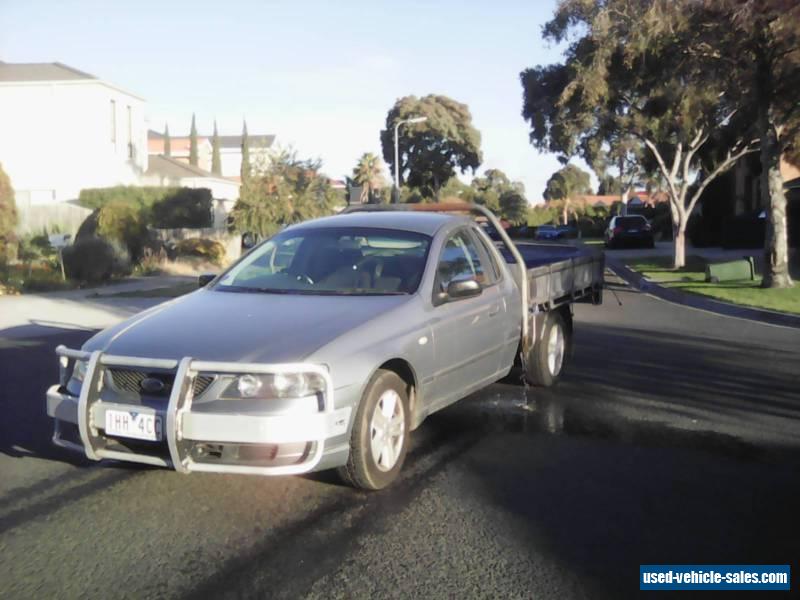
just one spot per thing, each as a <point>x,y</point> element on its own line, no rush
<point>396,198</point>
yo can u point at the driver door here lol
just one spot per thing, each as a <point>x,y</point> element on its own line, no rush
<point>467,333</point>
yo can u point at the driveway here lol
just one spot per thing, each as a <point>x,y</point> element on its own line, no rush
<point>674,438</point>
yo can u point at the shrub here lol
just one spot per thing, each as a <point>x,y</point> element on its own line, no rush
<point>153,262</point>
<point>8,219</point>
<point>124,224</point>
<point>186,207</point>
<point>209,250</point>
<point>94,259</point>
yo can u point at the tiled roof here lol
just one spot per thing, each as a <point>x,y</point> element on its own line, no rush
<point>255,141</point>
<point>40,72</point>
<point>165,166</point>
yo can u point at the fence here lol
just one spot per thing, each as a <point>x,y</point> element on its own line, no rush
<point>65,217</point>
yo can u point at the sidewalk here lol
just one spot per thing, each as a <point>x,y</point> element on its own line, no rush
<point>32,315</point>
<point>699,302</point>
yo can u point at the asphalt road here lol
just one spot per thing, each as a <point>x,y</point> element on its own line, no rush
<point>673,439</point>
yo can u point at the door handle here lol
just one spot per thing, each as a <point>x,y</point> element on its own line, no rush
<point>493,310</point>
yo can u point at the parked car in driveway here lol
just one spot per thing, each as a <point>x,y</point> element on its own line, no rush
<point>324,347</point>
<point>629,231</point>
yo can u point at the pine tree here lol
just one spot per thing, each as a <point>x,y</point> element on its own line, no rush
<point>193,160</point>
<point>167,144</point>
<point>216,162</point>
<point>245,168</point>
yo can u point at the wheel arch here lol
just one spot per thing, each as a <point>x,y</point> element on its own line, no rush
<point>403,369</point>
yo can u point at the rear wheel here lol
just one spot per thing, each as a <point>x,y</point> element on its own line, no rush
<point>549,354</point>
<point>380,437</point>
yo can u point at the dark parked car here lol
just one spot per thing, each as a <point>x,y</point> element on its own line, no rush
<point>631,230</point>
<point>549,232</point>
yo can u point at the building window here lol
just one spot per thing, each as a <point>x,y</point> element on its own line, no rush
<point>113,121</point>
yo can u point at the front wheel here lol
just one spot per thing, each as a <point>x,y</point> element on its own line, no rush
<point>549,354</point>
<point>380,437</point>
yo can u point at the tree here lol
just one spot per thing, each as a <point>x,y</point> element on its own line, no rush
<point>498,193</point>
<point>430,152</point>
<point>631,75</point>
<point>563,187</point>
<point>368,174</point>
<point>8,217</point>
<point>287,191</point>
<point>193,159</point>
<point>216,162</point>
<point>244,171</point>
<point>513,207</point>
<point>756,44</point>
<point>609,186</point>
<point>167,143</point>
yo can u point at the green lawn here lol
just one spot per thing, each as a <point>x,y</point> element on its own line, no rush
<point>692,279</point>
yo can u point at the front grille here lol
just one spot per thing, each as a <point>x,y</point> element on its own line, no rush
<point>128,380</point>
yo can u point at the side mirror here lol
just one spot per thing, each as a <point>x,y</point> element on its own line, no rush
<point>463,288</point>
<point>205,279</point>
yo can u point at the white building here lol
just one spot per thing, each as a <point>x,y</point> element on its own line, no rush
<point>63,130</point>
<point>230,152</point>
<point>165,171</point>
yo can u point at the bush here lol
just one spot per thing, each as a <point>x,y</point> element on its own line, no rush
<point>8,219</point>
<point>209,250</point>
<point>186,207</point>
<point>94,259</point>
<point>142,196</point>
<point>119,223</point>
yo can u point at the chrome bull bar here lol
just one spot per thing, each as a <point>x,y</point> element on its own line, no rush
<point>319,427</point>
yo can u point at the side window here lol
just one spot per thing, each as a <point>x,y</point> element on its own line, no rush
<point>492,268</point>
<point>459,260</point>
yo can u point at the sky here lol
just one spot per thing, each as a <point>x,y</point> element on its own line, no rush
<point>321,76</point>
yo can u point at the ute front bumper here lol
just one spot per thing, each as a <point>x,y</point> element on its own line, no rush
<point>189,435</point>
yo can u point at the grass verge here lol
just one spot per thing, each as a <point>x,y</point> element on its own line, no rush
<point>691,279</point>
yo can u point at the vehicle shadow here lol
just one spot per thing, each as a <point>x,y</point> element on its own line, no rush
<point>28,366</point>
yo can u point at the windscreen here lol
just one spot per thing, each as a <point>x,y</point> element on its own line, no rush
<point>340,261</point>
<point>631,221</point>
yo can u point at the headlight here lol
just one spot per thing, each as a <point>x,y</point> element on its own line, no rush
<point>277,385</point>
<point>79,370</point>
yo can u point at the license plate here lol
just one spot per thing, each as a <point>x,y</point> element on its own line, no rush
<point>133,424</point>
<point>633,231</point>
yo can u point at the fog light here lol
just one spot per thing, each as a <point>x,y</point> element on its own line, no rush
<point>248,386</point>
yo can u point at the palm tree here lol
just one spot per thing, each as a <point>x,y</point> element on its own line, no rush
<point>368,173</point>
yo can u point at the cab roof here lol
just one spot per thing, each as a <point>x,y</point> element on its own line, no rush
<point>427,223</point>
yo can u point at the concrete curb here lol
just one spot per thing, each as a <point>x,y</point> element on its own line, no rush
<point>759,315</point>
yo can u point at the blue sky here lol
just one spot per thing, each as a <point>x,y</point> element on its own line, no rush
<point>320,75</point>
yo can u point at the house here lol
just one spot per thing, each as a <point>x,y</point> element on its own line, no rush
<point>179,148</point>
<point>638,199</point>
<point>166,171</point>
<point>230,150</point>
<point>733,209</point>
<point>62,130</point>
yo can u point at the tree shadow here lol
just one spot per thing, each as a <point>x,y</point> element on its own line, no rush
<point>655,449</point>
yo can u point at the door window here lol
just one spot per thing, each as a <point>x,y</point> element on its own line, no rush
<point>459,260</point>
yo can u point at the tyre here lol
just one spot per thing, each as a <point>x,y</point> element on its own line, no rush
<point>380,437</point>
<point>547,358</point>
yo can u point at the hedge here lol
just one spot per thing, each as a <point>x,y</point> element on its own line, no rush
<point>185,207</point>
<point>143,196</point>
